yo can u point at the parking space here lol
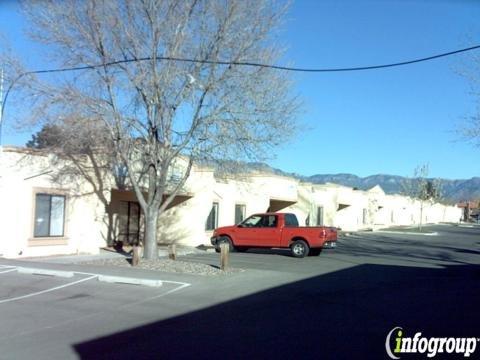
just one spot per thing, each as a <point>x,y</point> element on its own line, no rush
<point>7,269</point>
<point>341,304</point>
<point>18,285</point>
<point>34,306</point>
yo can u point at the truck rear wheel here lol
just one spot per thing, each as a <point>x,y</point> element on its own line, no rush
<point>299,249</point>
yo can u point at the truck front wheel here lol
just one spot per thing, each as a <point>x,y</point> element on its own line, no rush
<point>224,240</point>
<point>299,249</point>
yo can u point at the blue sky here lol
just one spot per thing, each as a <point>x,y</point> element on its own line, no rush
<point>381,121</point>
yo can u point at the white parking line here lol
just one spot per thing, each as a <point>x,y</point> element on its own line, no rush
<point>47,290</point>
<point>7,271</point>
<point>180,287</point>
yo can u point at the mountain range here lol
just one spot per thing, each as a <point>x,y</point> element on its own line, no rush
<point>452,191</point>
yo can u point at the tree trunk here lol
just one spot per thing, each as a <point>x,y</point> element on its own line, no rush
<point>150,251</point>
<point>421,216</point>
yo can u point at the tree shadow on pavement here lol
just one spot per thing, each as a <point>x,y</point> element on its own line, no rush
<point>339,315</point>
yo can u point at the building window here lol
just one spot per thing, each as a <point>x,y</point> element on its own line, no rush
<point>364,216</point>
<point>49,215</point>
<point>212,220</point>
<point>239,213</point>
<point>320,216</point>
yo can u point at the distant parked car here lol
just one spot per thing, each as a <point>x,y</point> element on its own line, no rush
<point>275,230</point>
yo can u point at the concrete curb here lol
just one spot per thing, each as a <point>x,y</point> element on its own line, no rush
<point>73,259</point>
<point>129,280</point>
<point>103,278</point>
<point>406,233</point>
<point>37,271</point>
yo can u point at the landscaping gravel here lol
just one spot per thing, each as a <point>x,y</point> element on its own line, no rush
<point>166,265</point>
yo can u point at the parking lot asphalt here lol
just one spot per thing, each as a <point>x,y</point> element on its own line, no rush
<point>341,304</point>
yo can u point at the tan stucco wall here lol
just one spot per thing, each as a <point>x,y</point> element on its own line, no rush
<point>20,179</point>
<point>86,216</point>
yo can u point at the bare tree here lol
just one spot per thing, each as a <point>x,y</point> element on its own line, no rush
<point>159,113</point>
<point>422,188</point>
<point>468,128</point>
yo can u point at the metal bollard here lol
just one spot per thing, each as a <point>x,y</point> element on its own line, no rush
<point>135,256</point>
<point>172,252</point>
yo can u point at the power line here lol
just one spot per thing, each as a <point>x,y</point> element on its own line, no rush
<point>254,64</point>
<point>233,63</point>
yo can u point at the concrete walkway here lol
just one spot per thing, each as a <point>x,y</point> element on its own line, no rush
<point>70,265</point>
<point>108,254</point>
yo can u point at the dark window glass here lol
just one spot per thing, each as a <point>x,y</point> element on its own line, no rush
<point>269,221</point>
<point>212,219</point>
<point>291,220</point>
<point>49,215</point>
<point>261,221</point>
<point>42,215</point>
<point>239,213</point>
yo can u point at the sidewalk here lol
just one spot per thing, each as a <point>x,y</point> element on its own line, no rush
<point>407,230</point>
<point>106,254</point>
<point>85,265</point>
<point>469,225</point>
<point>126,274</point>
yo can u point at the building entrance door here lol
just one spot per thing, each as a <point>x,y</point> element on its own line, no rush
<point>130,222</point>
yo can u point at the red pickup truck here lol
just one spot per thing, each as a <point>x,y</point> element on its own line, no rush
<point>275,230</point>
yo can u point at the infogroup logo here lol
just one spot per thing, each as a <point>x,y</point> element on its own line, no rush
<point>400,344</point>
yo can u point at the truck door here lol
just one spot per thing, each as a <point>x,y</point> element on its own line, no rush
<point>246,233</point>
<point>259,230</point>
<point>268,232</point>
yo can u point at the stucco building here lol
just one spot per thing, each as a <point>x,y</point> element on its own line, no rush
<point>50,212</point>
